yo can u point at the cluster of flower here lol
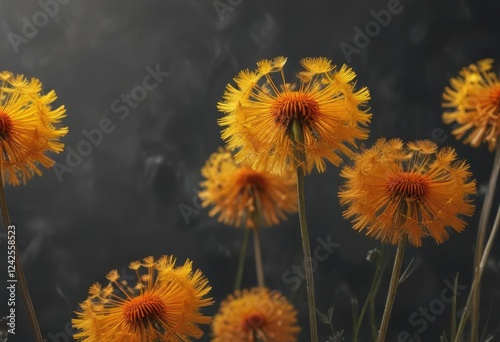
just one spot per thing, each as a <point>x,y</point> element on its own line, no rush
<point>278,132</point>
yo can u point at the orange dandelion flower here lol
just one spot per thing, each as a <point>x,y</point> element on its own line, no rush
<point>257,314</point>
<point>414,190</point>
<point>164,305</point>
<point>259,114</point>
<point>242,196</point>
<point>28,128</point>
<point>474,99</point>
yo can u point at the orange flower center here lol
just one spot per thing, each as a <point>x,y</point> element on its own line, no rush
<point>253,321</point>
<point>495,96</point>
<point>295,105</point>
<point>140,308</point>
<point>5,125</point>
<point>408,185</point>
<point>249,177</point>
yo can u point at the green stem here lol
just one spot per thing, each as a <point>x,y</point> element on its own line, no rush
<point>257,336</point>
<point>371,294</point>
<point>21,279</point>
<point>393,286</point>
<point>481,234</point>
<point>477,276</point>
<point>355,318</point>
<point>298,143</point>
<point>241,262</point>
<point>258,258</point>
<point>259,222</point>
<point>373,321</point>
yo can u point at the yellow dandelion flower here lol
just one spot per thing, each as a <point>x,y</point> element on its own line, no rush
<point>28,128</point>
<point>259,115</point>
<point>257,314</point>
<point>474,99</point>
<point>415,190</point>
<point>164,305</point>
<point>243,196</point>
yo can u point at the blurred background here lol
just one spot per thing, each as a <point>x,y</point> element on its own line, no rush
<point>132,192</point>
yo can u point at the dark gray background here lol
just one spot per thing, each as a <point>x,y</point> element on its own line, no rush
<point>122,202</point>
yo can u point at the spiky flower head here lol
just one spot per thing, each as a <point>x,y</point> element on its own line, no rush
<point>241,196</point>
<point>164,305</point>
<point>254,315</point>
<point>474,102</point>
<point>29,128</point>
<point>262,109</point>
<point>414,190</point>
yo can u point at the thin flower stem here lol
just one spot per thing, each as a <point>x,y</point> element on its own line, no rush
<point>241,262</point>
<point>298,142</point>
<point>481,234</point>
<point>371,294</point>
<point>259,221</point>
<point>21,279</point>
<point>478,275</point>
<point>258,257</point>
<point>373,321</point>
<point>355,317</point>
<point>393,286</point>
<point>257,336</point>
